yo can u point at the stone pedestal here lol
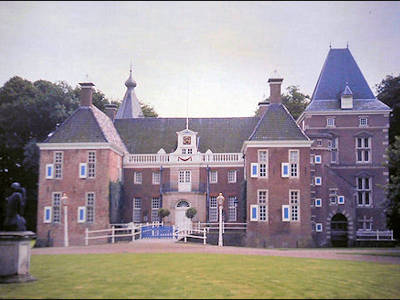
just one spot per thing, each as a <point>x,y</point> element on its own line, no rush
<point>15,256</point>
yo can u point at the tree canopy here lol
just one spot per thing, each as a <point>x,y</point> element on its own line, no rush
<point>294,100</point>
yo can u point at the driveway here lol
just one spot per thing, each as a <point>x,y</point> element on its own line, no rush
<point>168,246</point>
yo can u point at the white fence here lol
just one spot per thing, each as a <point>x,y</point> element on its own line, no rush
<point>184,234</point>
<point>215,226</point>
<point>374,235</point>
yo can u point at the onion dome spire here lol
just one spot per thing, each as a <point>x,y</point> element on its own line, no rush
<point>130,83</point>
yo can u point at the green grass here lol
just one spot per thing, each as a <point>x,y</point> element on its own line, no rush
<point>172,275</point>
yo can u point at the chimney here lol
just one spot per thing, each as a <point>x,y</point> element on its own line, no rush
<point>86,93</point>
<point>111,111</point>
<point>275,88</point>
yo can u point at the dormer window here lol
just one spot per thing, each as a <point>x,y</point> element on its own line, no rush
<point>330,122</point>
<point>346,98</point>
<point>363,122</point>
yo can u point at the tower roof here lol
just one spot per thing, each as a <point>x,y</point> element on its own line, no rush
<point>130,106</point>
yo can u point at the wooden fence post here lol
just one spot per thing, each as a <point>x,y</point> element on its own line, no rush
<point>112,234</point>
<point>204,236</point>
<point>86,237</point>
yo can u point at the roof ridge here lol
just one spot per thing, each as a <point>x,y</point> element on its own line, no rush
<point>294,121</point>
<point>92,108</point>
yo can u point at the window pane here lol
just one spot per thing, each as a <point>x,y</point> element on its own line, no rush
<point>359,155</point>
<point>359,141</point>
<point>366,144</point>
<point>366,155</point>
<point>366,183</point>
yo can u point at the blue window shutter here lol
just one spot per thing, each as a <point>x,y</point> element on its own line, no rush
<point>253,212</point>
<point>285,169</point>
<point>82,170</point>
<point>254,170</point>
<point>47,214</point>
<point>285,213</point>
<point>49,171</point>
<point>81,214</point>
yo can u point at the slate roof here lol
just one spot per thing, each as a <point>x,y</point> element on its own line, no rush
<point>341,70</point>
<point>277,124</point>
<point>130,107</point>
<point>87,125</point>
<point>148,135</point>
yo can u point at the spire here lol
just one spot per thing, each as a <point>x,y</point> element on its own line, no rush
<point>130,106</point>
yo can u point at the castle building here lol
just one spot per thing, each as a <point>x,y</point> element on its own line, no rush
<point>316,181</point>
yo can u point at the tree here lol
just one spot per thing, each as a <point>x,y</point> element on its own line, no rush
<point>190,213</point>
<point>295,101</point>
<point>148,110</point>
<point>389,93</point>
<point>392,188</point>
<point>163,212</point>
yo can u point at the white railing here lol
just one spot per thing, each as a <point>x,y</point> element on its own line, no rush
<point>185,233</point>
<point>215,226</point>
<point>140,159</point>
<point>113,232</point>
<point>374,235</point>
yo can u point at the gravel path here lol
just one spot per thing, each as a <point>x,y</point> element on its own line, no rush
<point>168,246</point>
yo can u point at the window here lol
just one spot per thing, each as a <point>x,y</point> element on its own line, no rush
<point>82,170</point>
<point>285,169</point>
<point>254,170</point>
<point>253,212</point>
<point>318,180</point>
<point>365,223</point>
<point>318,227</point>
<point>138,178</point>
<point>332,196</point>
<point>213,210</point>
<point>330,122</point>
<point>332,199</point>
<point>189,151</point>
<point>90,199</point>
<point>137,210</point>
<point>318,202</point>
<point>184,176</point>
<point>333,147</point>
<point>58,164</point>
<point>318,159</point>
<point>56,207</point>
<point>156,178</point>
<point>340,199</point>
<point>81,214</point>
<point>183,151</point>
<point>363,149</point>
<point>294,205</point>
<point>285,213</point>
<point>91,164</point>
<point>364,191</point>
<point>49,171</point>
<point>232,209</point>
<point>47,214</point>
<point>155,206</point>
<point>262,162</point>
<point>294,162</point>
<point>262,201</point>
<point>363,122</point>
<point>213,176</point>
<point>319,143</point>
<point>232,176</point>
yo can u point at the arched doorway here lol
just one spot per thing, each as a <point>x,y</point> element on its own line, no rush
<point>181,221</point>
<point>339,230</point>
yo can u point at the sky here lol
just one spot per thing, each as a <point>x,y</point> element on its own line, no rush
<point>201,59</point>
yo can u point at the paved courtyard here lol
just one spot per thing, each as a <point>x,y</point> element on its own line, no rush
<point>168,246</point>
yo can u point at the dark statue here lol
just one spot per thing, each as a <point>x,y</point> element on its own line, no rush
<point>15,209</point>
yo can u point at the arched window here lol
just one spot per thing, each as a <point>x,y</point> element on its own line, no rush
<point>183,203</point>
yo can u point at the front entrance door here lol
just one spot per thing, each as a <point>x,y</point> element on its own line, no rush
<point>181,221</point>
<point>339,230</point>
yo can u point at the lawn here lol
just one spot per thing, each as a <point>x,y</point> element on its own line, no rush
<point>172,275</point>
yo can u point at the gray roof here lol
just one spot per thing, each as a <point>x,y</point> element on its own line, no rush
<point>87,124</point>
<point>340,70</point>
<point>148,135</point>
<point>277,124</point>
<point>130,106</point>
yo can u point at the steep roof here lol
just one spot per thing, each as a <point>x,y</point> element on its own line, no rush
<point>341,74</point>
<point>148,135</point>
<point>130,107</point>
<point>87,125</point>
<point>277,124</point>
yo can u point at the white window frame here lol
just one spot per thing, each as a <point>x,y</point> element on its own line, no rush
<point>294,164</point>
<point>232,208</point>
<point>82,170</point>
<point>363,149</point>
<point>254,217</point>
<point>58,164</point>
<point>213,209</point>
<point>340,199</point>
<point>155,206</point>
<point>316,201</point>
<point>54,194</point>
<point>136,210</point>
<point>90,206</point>
<point>138,178</point>
<point>213,176</point>
<point>49,218</point>
<point>81,209</point>
<point>156,178</point>
<point>91,164</point>
<point>49,167</point>
<point>254,170</point>
<point>334,148</point>
<point>316,180</point>
<point>262,203</point>
<point>364,221</point>
<point>294,204</point>
<point>232,176</point>
<point>330,122</point>
<point>360,121</point>
<point>285,207</point>
<point>262,160</point>
<point>318,159</point>
<point>283,167</point>
<point>363,190</point>
<point>320,229</point>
